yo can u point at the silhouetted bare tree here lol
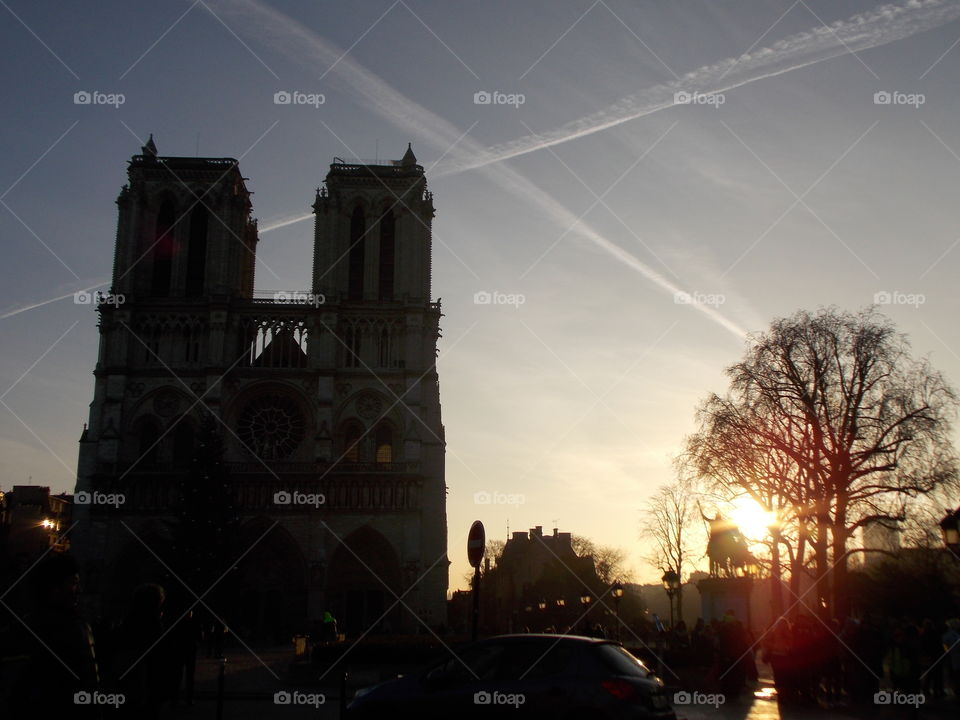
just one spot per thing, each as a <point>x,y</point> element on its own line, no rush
<point>830,419</point>
<point>608,561</point>
<point>669,521</point>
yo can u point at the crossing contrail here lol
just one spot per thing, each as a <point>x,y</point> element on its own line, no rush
<point>883,25</point>
<point>880,26</point>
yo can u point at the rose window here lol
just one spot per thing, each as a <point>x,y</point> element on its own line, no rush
<point>271,426</point>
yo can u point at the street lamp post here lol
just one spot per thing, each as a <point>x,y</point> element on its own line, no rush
<point>585,600</point>
<point>671,583</point>
<point>617,592</point>
<point>950,529</point>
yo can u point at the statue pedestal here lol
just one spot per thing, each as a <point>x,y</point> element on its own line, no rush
<point>717,595</point>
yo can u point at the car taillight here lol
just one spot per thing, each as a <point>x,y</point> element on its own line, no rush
<point>620,689</point>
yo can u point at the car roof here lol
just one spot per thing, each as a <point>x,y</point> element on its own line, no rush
<point>556,637</point>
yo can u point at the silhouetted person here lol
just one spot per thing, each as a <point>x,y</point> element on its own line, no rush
<point>931,652</point>
<point>701,645</point>
<point>329,632</point>
<point>807,653</point>
<point>901,663</point>
<point>778,651</point>
<point>61,656</point>
<point>732,649</point>
<point>142,665</point>
<point>184,637</point>
<point>951,646</point>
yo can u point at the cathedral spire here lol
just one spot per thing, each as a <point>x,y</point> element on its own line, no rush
<point>150,149</point>
<point>409,159</point>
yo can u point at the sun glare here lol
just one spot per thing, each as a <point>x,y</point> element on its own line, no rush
<point>753,520</point>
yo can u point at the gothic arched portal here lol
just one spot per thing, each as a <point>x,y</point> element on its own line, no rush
<point>271,586</point>
<point>363,567</point>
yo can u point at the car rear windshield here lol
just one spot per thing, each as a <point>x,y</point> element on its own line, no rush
<point>620,661</point>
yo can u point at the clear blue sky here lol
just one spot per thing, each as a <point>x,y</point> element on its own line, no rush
<point>793,189</point>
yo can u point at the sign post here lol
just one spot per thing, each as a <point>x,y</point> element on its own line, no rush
<point>476,546</point>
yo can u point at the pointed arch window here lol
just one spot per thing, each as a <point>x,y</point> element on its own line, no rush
<point>163,249</point>
<point>387,254</point>
<point>352,339</point>
<point>197,252</point>
<point>384,443</point>
<point>351,443</point>
<point>357,231</point>
<point>147,445</point>
<point>383,348</point>
<point>183,445</point>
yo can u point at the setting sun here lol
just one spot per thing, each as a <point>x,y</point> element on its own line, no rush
<point>753,520</point>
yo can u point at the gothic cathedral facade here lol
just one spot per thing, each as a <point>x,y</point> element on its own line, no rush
<point>327,401</point>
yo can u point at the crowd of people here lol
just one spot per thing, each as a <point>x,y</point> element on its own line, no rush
<point>55,659</point>
<point>850,662</point>
<point>816,661</point>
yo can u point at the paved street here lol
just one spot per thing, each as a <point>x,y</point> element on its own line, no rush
<point>250,686</point>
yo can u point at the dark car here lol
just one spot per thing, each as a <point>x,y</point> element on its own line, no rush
<point>519,676</point>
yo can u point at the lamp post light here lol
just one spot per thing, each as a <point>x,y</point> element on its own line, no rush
<point>671,583</point>
<point>950,530</point>
<point>617,592</point>
<point>585,600</point>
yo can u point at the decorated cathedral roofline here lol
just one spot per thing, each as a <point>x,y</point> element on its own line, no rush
<point>405,167</point>
<point>150,159</point>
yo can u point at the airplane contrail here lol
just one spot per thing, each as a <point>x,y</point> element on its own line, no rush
<point>883,25</point>
<point>880,26</point>
<point>284,221</point>
<point>41,303</point>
